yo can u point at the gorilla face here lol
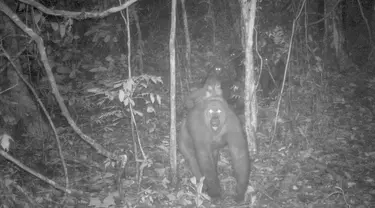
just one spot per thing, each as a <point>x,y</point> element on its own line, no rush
<point>215,119</point>
<point>215,116</point>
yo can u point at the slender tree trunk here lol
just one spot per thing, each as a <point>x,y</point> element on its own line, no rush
<point>248,16</point>
<point>187,41</point>
<point>172,50</point>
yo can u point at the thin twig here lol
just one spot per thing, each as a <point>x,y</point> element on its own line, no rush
<point>286,69</point>
<point>368,27</point>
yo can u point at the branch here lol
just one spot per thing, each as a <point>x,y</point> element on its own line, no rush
<point>326,15</point>
<point>43,57</point>
<point>78,15</point>
<point>40,176</point>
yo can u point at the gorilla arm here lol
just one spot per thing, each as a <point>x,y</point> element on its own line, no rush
<point>238,149</point>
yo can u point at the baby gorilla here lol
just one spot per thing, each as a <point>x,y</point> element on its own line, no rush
<point>211,88</point>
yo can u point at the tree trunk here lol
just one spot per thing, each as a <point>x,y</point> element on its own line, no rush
<point>248,17</point>
<point>172,50</point>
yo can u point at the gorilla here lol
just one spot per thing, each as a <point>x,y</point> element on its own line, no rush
<point>209,126</point>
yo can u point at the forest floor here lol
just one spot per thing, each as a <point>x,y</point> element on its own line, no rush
<point>326,157</point>
<point>321,155</point>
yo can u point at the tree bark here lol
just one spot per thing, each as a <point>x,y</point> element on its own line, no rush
<point>248,16</point>
<point>172,50</point>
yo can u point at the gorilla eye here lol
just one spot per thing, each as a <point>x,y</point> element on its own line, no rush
<point>210,111</point>
<point>219,111</point>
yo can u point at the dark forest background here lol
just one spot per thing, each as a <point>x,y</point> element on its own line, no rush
<point>315,138</point>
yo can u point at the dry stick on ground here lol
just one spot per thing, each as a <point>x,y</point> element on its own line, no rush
<point>40,176</point>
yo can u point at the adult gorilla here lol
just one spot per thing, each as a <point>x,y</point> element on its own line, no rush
<point>209,126</point>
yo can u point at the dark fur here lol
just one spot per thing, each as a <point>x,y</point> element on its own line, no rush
<point>209,126</point>
<point>211,88</point>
